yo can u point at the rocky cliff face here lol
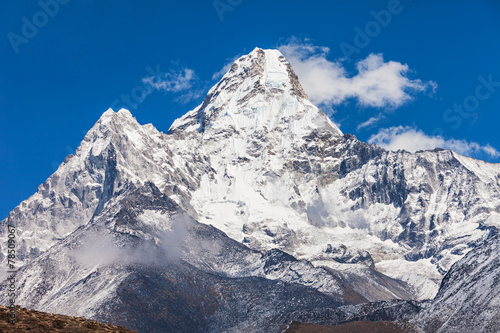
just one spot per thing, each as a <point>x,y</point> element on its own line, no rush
<point>469,297</point>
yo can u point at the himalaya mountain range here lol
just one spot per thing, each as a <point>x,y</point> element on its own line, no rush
<point>254,210</point>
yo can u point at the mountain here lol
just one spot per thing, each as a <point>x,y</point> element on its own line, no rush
<point>469,297</point>
<point>468,301</point>
<point>254,191</point>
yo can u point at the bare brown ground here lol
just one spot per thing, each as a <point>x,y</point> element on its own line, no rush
<point>42,322</point>
<point>354,327</point>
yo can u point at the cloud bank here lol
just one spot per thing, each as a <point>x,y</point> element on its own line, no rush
<point>377,83</point>
<point>413,139</point>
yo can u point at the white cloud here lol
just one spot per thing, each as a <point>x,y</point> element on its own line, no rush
<point>412,139</point>
<point>190,95</point>
<point>371,121</point>
<point>377,84</point>
<point>182,81</point>
<point>172,81</point>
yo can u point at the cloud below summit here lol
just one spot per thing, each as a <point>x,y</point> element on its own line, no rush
<point>377,83</point>
<point>412,139</point>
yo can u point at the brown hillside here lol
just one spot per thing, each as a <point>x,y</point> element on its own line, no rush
<point>42,322</point>
<point>354,327</point>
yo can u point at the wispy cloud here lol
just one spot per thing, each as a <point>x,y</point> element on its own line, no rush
<point>190,96</point>
<point>172,81</point>
<point>377,83</point>
<point>229,62</point>
<point>175,80</point>
<point>413,139</point>
<point>178,80</point>
<point>100,247</point>
<point>372,121</point>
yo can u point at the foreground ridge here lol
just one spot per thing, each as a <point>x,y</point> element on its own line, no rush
<point>42,322</point>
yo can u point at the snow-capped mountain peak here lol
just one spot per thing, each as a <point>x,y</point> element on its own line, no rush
<point>260,92</point>
<point>116,123</point>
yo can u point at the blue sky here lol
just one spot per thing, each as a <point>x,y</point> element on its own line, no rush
<point>398,73</point>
